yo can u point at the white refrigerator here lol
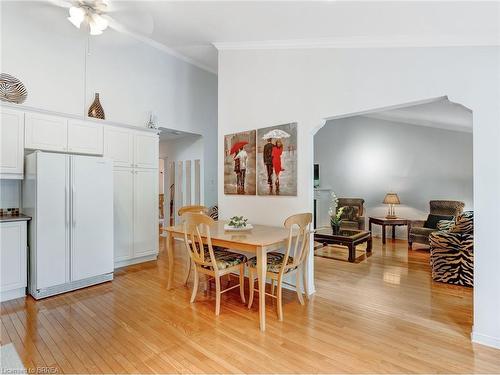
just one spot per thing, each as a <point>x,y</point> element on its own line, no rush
<point>70,236</point>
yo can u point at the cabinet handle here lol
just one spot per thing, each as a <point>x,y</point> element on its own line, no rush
<point>73,192</point>
<point>66,206</point>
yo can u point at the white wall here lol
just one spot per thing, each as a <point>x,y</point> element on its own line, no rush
<point>267,87</point>
<point>48,54</point>
<point>192,147</point>
<point>10,193</point>
<point>366,157</point>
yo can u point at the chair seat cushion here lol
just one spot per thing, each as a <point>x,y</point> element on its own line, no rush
<point>274,262</point>
<point>225,259</point>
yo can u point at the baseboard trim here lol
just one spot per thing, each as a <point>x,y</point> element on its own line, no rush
<point>12,294</point>
<point>487,340</point>
<point>130,262</point>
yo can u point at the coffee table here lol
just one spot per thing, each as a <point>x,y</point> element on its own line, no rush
<point>347,237</point>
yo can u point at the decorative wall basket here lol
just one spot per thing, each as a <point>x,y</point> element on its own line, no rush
<point>11,89</point>
<point>95,109</point>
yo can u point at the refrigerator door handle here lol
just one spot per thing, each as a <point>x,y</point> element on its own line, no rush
<point>66,203</point>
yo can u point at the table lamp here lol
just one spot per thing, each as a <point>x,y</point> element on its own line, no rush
<point>391,199</point>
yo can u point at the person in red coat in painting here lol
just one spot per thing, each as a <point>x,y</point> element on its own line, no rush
<point>277,151</point>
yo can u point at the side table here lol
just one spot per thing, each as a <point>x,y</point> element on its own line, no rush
<point>384,222</point>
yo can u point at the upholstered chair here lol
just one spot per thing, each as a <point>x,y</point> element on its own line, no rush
<point>418,231</point>
<point>452,255</point>
<point>353,216</point>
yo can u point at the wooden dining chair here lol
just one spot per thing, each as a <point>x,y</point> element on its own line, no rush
<point>182,211</point>
<point>293,260</point>
<point>211,262</point>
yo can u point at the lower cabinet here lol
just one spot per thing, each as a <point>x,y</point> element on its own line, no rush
<point>135,215</point>
<point>13,260</point>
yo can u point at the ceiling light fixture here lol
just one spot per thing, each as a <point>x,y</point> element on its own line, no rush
<point>91,13</point>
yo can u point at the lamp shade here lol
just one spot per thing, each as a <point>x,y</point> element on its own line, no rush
<point>391,198</point>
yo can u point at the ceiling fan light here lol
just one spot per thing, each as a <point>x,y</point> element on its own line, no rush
<point>76,16</point>
<point>94,29</point>
<point>99,21</point>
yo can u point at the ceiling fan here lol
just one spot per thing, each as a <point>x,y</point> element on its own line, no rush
<point>97,15</point>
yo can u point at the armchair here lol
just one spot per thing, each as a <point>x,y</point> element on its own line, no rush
<point>416,230</point>
<point>452,255</point>
<point>353,215</point>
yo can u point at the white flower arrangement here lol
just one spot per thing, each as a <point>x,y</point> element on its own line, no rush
<point>335,215</point>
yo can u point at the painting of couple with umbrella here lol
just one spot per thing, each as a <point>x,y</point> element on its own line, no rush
<point>239,163</point>
<point>277,160</point>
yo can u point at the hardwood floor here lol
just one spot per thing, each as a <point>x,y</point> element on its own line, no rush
<point>380,314</point>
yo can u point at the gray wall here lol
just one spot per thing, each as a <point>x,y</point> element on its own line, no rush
<point>365,157</point>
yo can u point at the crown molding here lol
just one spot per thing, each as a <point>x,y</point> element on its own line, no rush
<point>366,42</point>
<point>163,48</point>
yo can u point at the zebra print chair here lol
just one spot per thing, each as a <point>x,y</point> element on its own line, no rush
<point>452,256</point>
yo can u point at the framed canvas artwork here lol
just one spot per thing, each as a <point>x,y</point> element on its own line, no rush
<point>240,163</point>
<point>277,160</point>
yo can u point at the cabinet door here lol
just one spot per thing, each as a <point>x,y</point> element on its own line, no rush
<point>13,255</point>
<point>146,150</point>
<point>123,219</point>
<point>145,212</point>
<point>118,146</point>
<point>85,137</point>
<point>44,132</point>
<point>91,217</point>
<point>11,144</point>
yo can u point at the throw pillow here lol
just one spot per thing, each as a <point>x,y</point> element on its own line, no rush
<point>432,220</point>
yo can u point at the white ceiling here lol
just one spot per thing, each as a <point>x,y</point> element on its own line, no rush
<point>191,28</point>
<point>441,114</point>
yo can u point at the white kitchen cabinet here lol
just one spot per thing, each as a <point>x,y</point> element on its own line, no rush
<point>119,146</point>
<point>123,203</point>
<point>146,150</point>
<point>135,215</point>
<point>13,259</point>
<point>11,144</point>
<point>145,212</point>
<point>45,132</point>
<point>85,137</point>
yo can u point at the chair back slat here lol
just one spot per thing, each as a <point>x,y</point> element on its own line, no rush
<point>299,227</point>
<point>197,238</point>
<point>192,208</point>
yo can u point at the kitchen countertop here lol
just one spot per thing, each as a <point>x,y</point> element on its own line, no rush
<point>8,218</point>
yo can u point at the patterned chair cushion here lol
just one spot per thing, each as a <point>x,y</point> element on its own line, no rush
<point>225,259</point>
<point>213,212</point>
<point>445,224</point>
<point>274,262</point>
<point>464,223</point>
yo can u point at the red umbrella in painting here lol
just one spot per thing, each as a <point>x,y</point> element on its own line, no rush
<point>236,147</point>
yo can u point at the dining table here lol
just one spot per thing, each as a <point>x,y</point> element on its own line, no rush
<point>259,240</point>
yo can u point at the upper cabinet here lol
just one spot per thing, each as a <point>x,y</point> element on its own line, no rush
<point>85,137</point>
<point>119,146</point>
<point>11,144</point>
<point>146,151</point>
<point>46,132</point>
<point>131,148</point>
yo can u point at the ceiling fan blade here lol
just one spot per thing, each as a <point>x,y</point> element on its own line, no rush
<point>61,3</point>
<point>134,22</point>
